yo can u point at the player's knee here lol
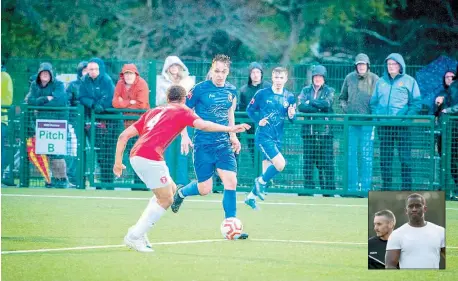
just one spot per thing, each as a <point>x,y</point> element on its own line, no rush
<point>204,188</point>
<point>230,184</point>
<point>280,165</point>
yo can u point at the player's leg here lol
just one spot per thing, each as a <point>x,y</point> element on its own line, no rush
<point>271,153</point>
<point>156,176</point>
<point>204,166</point>
<point>226,166</point>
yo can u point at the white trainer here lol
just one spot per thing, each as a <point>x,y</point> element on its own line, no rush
<point>139,245</point>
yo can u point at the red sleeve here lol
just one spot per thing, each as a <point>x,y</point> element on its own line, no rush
<point>140,123</point>
<point>189,117</point>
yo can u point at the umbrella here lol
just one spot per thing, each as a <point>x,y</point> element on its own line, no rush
<point>39,160</point>
<point>430,79</point>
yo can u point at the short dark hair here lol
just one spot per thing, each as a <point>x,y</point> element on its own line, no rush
<point>175,93</point>
<point>416,195</point>
<point>387,214</point>
<point>222,58</point>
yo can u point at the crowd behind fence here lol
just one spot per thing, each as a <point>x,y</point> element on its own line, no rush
<point>315,165</point>
<point>299,74</point>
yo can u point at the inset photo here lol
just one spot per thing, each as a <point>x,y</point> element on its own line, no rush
<point>406,230</point>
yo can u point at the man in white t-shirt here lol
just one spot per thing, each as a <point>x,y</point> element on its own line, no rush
<point>418,243</point>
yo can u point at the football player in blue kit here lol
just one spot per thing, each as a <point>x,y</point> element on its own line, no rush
<point>213,100</point>
<point>269,108</point>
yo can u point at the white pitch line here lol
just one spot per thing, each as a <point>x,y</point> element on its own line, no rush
<point>107,246</point>
<point>310,242</point>
<point>186,242</point>
<point>187,200</point>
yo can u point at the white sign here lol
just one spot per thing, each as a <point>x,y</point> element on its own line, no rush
<point>51,137</point>
<point>67,78</point>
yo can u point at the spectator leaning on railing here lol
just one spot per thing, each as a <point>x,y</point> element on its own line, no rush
<point>46,90</point>
<point>174,72</point>
<point>96,93</point>
<point>131,91</point>
<point>356,93</point>
<point>395,94</point>
<point>318,139</point>
<point>448,104</point>
<point>72,94</point>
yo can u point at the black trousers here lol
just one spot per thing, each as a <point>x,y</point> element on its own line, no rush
<point>318,151</point>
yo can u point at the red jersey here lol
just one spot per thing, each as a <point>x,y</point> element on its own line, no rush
<point>158,127</point>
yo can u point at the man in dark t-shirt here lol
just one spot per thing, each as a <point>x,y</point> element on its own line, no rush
<point>384,222</point>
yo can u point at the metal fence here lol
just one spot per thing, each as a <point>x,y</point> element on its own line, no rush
<point>325,154</point>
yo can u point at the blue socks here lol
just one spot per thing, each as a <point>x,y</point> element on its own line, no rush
<point>190,189</point>
<point>229,203</point>
<point>229,198</point>
<point>270,173</point>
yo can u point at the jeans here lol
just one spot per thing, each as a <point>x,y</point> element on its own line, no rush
<point>360,137</point>
<point>391,136</point>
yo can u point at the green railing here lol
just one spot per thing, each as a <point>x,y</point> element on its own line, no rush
<point>320,151</point>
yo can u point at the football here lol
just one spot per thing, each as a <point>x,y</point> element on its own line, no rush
<point>231,228</point>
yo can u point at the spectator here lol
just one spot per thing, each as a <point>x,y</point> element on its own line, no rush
<point>131,91</point>
<point>46,90</point>
<point>318,139</point>
<point>447,103</point>
<point>356,93</point>
<point>96,94</point>
<point>74,86</point>
<point>255,83</point>
<point>395,94</point>
<point>174,72</point>
<point>72,94</point>
<point>7,100</point>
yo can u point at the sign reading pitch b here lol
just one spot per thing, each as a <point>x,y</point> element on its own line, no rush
<point>51,137</point>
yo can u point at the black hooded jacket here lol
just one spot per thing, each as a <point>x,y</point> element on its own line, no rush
<point>74,86</point>
<point>247,91</point>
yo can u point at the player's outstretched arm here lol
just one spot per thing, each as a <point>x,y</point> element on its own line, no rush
<point>392,259</point>
<point>185,142</point>
<point>125,136</point>
<point>213,127</point>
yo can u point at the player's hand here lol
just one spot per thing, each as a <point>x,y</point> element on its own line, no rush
<point>240,128</point>
<point>133,102</point>
<point>185,144</point>
<point>120,99</point>
<point>439,100</point>
<point>117,169</point>
<point>291,111</point>
<point>263,122</point>
<point>236,146</point>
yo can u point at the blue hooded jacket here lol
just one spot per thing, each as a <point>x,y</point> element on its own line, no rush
<point>97,93</point>
<point>396,96</point>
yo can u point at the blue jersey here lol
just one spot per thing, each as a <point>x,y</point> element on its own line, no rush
<point>211,103</point>
<point>266,103</point>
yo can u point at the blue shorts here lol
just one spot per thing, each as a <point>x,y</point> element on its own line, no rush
<point>269,148</point>
<point>207,158</point>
